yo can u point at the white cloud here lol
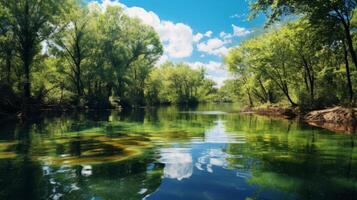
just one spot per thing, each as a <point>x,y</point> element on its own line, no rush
<point>240,31</point>
<point>218,46</point>
<point>177,39</point>
<point>147,17</point>
<point>223,34</point>
<point>107,3</point>
<point>216,71</point>
<point>210,66</point>
<point>237,32</point>
<point>197,37</point>
<point>214,46</point>
<point>208,34</point>
<point>219,80</point>
<point>238,16</point>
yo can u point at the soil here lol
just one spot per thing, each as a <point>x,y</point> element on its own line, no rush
<point>337,119</point>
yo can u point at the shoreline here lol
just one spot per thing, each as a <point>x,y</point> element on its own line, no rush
<point>336,119</point>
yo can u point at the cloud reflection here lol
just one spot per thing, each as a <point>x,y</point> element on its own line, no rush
<point>210,158</point>
<point>178,163</point>
<point>219,135</point>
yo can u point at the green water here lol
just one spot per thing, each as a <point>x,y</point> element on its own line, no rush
<point>171,153</point>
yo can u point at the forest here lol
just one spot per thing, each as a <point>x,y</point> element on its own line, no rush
<point>306,58</point>
<point>68,54</point>
<point>65,54</point>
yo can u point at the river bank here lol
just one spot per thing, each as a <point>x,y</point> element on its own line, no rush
<point>337,119</point>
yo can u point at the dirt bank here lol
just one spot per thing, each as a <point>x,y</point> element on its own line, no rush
<point>287,113</point>
<point>336,119</point>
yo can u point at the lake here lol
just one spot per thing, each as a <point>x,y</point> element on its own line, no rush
<point>201,153</point>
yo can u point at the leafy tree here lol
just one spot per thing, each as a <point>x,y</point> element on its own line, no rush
<point>178,83</point>
<point>298,61</point>
<point>129,47</point>
<point>319,12</point>
<point>31,22</point>
<point>73,43</point>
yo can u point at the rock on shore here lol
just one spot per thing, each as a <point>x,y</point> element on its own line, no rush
<point>335,119</point>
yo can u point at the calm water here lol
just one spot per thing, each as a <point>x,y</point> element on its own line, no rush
<point>170,153</point>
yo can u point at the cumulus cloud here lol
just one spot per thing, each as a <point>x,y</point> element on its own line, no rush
<point>177,39</point>
<point>211,65</point>
<point>147,17</point>
<point>219,79</point>
<point>208,34</point>
<point>197,37</point>
<point>214,46</point>
<point>237,32</point>
<point>220,46</point>
<point>216,71</point>
<point>240,31</point>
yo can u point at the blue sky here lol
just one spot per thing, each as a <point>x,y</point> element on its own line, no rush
<point>198,32</point>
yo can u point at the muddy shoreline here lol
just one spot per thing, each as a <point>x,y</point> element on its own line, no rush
<point>336,119</point>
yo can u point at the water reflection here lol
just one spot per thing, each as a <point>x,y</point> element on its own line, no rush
<point>212,157</point>
<point>168,153</point>
<point>219,134</point>
<point>178,163</point>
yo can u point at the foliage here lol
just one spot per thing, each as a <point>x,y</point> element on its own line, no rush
<point>295,63</point>
<point>178,83</point>
<point>71,54</point>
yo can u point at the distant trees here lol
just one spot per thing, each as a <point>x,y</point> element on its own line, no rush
<point>178,83</point>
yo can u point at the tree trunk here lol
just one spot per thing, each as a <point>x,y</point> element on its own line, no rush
<point>264,90</point>
<point>309,72</point>
<point>306,83</point>
<point>27,83</point>
<point>286,92</point>
<point>250,98</point>
<point>348,75</point>
<point>350,43</point>
<point>8,68</point>
<point>78,84</point>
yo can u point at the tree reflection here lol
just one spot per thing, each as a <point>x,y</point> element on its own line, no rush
<point>285,156</point>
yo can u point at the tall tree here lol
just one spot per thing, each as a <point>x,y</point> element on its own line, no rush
<point>73,43</point>
<point>31,21</point>
<point>127,44</point>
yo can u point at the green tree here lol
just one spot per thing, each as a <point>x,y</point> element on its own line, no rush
<point>73,43</point>
<point>318,12</point>
<point>31,22</point>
